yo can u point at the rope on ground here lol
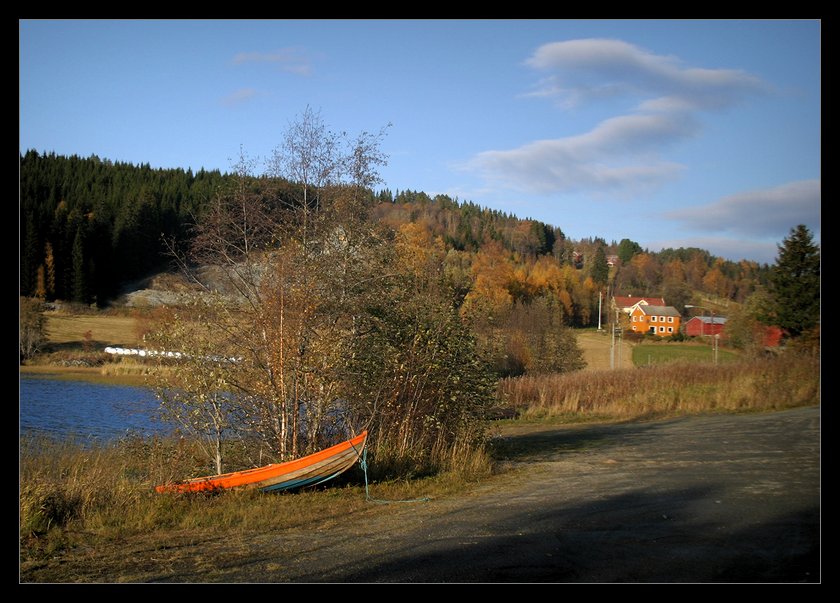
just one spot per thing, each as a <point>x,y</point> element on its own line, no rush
<point>381,501</point>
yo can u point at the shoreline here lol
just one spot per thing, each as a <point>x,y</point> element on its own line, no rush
<point>108,373</point>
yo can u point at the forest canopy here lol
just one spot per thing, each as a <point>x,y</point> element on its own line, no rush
<point>89,226</point>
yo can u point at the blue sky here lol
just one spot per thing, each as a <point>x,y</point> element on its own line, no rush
<point>670,133</point>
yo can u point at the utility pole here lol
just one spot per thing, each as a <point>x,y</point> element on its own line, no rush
<point>600,293</point>
<point>618,328</point>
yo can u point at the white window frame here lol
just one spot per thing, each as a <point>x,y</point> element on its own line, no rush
<point>653,319</point>
<point>670,329</point>
<point>670,319</point>
<point>661,329</point>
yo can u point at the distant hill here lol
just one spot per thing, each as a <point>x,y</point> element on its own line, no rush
<point>88,226</point>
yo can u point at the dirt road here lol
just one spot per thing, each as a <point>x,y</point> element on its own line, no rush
<point>597,352</point>
<point>723,498</point>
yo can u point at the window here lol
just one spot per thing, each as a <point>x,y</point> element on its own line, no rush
<point>634,327</point>
<point>661,329</point>
<point>653,319</point>
<point>670,329</point>
<point>670,319</point>
<point>634,318</point>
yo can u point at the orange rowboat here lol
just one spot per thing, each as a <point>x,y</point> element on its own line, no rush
<point>306,471</point>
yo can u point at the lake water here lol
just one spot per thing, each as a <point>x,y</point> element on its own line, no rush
<point>86,411</point>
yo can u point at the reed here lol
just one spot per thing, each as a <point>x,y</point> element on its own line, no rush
<point>677,388</point>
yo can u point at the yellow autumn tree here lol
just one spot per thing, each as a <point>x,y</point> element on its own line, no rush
<point>493,273</point>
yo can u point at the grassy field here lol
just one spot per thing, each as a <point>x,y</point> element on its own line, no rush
<point>75,348</point>
<point>647,354</point>
<point>596,350</point>
<point>71,329</point>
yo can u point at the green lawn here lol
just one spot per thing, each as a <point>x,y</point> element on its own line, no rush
<point>645,354</point>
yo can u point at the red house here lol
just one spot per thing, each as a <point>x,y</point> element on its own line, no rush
<point>701,326</point>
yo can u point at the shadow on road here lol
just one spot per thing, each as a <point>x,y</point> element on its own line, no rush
<point>547,442</point>
<point>636,537</point>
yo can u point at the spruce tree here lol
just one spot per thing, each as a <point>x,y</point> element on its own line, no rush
<point>795,283</point>
<point>600,269</point>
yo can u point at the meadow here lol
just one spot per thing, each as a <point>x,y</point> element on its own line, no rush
<point>647,354</point>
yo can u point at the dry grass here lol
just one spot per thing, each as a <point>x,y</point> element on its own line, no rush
<point>71,494</point>
<point>679,388</point>
<point>103,329</point>
<point>596,351</point>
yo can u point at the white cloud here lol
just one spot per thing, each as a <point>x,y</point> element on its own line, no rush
<point>291,60</point>
<point>617,156</point>
<point>623,154</point>
<point>768,212</point>
<point>240,96</point>
<point>582,70</point>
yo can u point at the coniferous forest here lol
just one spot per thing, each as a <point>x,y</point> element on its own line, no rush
<point>89,226</point>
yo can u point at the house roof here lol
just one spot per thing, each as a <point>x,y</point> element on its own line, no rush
<point>625,301</point>
<point>659,310</point>
<point>718,320</point>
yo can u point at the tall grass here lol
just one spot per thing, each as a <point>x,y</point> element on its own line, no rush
<point>72,493</point>
<point>757,384</point>
<point>70,485</point>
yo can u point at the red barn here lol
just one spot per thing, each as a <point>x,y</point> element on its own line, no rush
<point>772,337</point>
<point>701,326</point>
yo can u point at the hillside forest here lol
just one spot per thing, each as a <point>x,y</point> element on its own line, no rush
<point>89,226</point>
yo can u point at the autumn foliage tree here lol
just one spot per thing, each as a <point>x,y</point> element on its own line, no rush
<point>335,322</point>
<point>31,333</point>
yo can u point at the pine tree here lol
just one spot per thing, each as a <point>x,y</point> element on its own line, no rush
<point>795,283</point>
<point>600,269</point>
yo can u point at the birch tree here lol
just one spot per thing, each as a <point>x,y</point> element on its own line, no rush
<point>292,253</point>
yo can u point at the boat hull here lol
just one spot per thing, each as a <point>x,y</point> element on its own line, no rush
<point>307,471</point>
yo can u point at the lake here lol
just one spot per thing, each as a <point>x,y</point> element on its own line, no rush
<point>85,411</point>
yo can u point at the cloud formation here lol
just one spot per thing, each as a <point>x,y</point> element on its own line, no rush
<point>290,60</point>
<point>593,68</point>
<point>768,212</point>
<point>240,96</point>
<point>621,155</point>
